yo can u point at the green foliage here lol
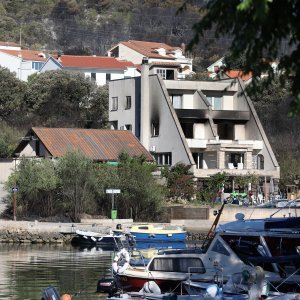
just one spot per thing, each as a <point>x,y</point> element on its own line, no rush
<point>243,180</point>
<point>11,95</point>
<point>141,196</point>
<point>258,29</point>
<point>289,169</point>
<point>9,138</point>
<point>37,186</point>
<point>210,191</point>
<point>74,185</point>
<point>64,98</point>
<point>180,182</point>
<point>76,176</point>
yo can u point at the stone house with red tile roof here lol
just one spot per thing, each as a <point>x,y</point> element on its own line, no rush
<point>101,69</point>
<point>163,58</point>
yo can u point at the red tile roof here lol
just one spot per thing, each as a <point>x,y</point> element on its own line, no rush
<point>149,48</point>
<point>95,62</point>
<point>26,54</point>
<point>97,144</point>
<point>238,74</point>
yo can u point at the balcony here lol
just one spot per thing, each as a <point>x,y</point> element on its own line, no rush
<point>196,143</point>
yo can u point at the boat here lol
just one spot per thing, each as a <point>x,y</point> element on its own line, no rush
<point>50,292</point>
<point>96,238</point>
<point>149,232</point>
<point>272,244</point>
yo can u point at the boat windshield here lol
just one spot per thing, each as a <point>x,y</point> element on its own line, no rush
<point>177,264</point>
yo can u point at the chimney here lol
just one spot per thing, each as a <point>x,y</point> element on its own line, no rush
<point>145,60</point>
<point>183,48</point>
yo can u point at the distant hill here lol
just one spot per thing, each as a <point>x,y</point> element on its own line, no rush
<point>93,26</point>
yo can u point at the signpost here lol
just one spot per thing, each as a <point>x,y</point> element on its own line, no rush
<point>113,192</point>
<point>14,190</point>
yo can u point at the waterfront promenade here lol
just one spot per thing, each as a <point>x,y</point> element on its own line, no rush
<point>106,225</point>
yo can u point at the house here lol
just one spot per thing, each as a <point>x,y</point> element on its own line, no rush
<point>101,145</point>
<point>161,55</point>
<point>210,125</point>
<point>22,62</point>
<point>101,69</point>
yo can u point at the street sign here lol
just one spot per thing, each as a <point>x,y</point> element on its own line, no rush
<point>113,191</point>
<point>15,189</point>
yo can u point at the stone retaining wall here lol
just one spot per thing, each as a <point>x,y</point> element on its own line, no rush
<point>25,237</point>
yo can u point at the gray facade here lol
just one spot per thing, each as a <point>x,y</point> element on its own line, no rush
<point>210,125</point>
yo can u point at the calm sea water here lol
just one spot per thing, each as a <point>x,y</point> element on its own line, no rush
<point>26,269</point>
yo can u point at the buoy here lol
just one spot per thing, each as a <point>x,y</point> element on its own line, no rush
<point>66,297</point>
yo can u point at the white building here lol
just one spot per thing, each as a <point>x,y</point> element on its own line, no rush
<point>159,54</point>
<point>210,125</point>
<point>22,62</point>
<point>101,69</point>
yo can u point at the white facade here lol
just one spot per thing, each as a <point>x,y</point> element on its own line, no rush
<point>136,55</point>
<point>19,64</point>
<point>100,76</point>
<point>210,125</point>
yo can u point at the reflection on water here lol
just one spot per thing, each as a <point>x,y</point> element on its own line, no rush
<point>26,269</point>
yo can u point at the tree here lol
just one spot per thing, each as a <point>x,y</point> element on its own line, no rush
<point>64,98</point>
<point>77,184</point>
<point>212,187</point>
<point>264,31</point>
<point>9,137</point>
<point>11,96</point>
<point>37,183</point>
<point>180,182</point>
<point>141,196</point>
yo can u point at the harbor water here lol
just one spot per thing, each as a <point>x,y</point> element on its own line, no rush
<point>26,269</point>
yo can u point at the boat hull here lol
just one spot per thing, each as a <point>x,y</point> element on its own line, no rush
<point>163,237</point>
<point>135,284</point>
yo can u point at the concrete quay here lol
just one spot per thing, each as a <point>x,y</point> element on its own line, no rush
<point>56,231</point>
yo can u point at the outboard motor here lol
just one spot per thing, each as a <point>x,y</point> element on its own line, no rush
<point>50,293</point>
<point>107,285</point>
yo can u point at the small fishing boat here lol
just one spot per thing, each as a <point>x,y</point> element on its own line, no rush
<point>149,232</point>
<point>96,238</point>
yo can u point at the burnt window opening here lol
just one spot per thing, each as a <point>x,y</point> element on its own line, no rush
<point>155,129</point>
<point>188,130</point>
<point>198,158</point>
<point>236,158</point>
<point>225,131</point>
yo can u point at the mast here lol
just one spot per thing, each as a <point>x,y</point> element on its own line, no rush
<point>212,230</point>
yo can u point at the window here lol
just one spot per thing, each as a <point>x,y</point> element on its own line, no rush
<point>177,264</point>
<point>128,102</point>
<point>198,158</point>
<point>216,102</point>
<point>93,76</point>
<point>114,105</point>
<point>162,73</point>
<point>163,158</point>
<point>260,162</point>
<point>176,101</point>
<point>37,65</point>
<point>235,159</point>
<point>155,129</point>
<point>108,77</point>
<point>128,127</point>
